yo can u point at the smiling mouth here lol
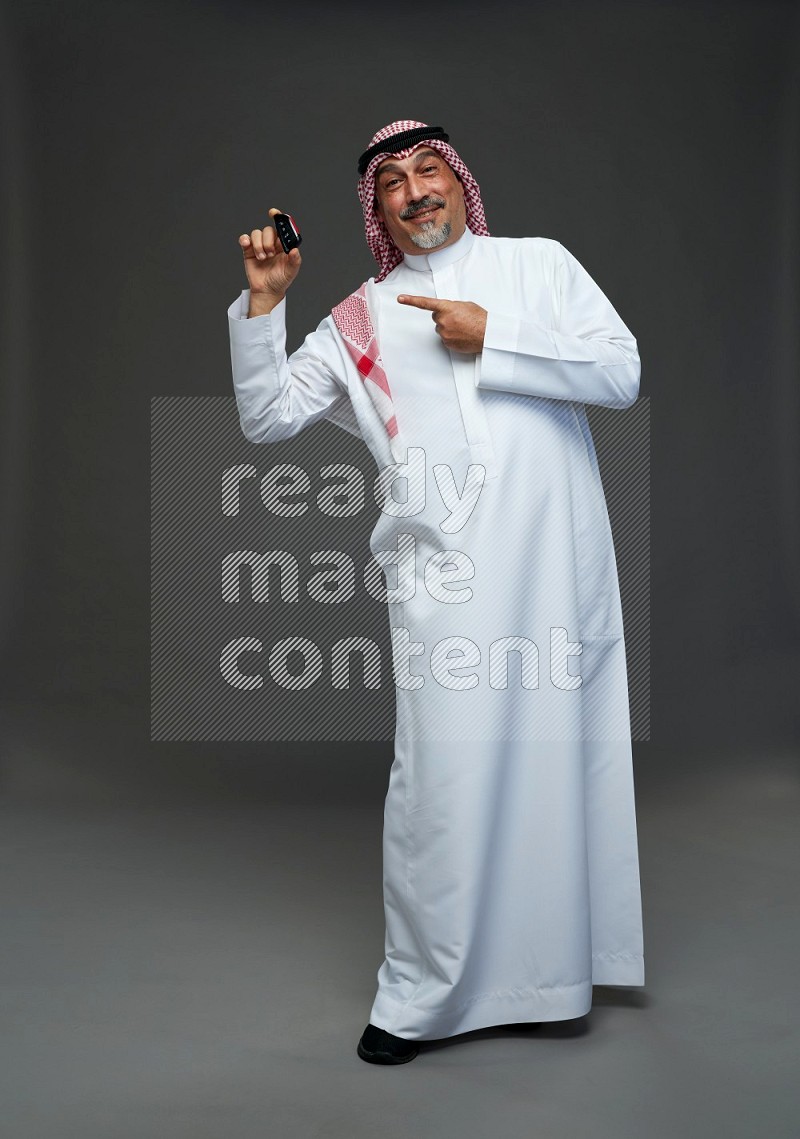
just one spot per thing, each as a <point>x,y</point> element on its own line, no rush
<point>425,215</point>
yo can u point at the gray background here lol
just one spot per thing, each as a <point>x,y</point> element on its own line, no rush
<point>192,931</point>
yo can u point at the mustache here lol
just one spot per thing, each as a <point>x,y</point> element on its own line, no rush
<point>422,205</point>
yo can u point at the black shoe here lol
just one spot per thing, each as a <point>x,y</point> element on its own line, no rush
<point>522,1026</point>
<point>377,1046</point>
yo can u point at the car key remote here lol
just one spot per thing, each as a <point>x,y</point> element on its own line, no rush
<point>288,232</point>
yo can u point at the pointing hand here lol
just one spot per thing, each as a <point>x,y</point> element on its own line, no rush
<point>460,324</point>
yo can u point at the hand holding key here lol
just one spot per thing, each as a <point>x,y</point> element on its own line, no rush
<point>269,270</point>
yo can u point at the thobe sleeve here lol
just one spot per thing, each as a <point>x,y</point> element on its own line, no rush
<point>591,357</point>
<point>277,396</point>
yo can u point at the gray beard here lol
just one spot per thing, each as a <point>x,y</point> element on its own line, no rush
<point>431,235</point>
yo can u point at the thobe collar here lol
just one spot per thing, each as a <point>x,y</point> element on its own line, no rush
<point>439,258</point>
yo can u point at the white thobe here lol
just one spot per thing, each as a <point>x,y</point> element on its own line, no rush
<point>511,877</point>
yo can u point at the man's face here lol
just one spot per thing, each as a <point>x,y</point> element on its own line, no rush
<point>420,201</point>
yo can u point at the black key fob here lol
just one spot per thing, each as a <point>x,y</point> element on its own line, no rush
<point>286,228</point>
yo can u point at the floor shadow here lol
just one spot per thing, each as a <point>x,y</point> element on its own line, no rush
<point>609,997</point>
<point>549,1030</point>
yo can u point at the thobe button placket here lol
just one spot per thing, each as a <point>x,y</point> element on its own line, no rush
<point>473,415</point>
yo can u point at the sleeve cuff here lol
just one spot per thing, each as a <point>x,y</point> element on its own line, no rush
<point>497,355</point>
<point>247,330</point>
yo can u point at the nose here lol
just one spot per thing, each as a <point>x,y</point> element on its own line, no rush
<point>415,188</point>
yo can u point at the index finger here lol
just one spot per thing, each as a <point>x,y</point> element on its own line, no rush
<point>429,303</point>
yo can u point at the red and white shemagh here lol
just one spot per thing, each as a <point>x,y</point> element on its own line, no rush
<point>352,316</point>
<point>355,328</point>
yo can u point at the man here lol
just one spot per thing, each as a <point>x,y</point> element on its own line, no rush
<point>511,881</point>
